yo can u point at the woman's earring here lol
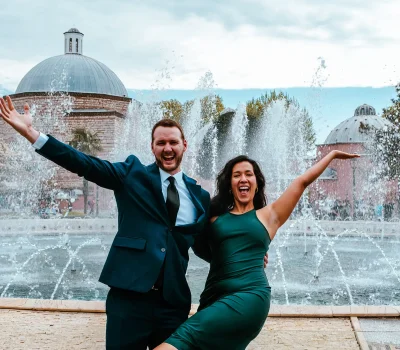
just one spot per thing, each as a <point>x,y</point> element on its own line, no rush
<point>256,189</point>
<point>230,190</point>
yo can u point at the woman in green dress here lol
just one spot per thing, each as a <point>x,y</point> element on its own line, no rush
<point>235,302</point>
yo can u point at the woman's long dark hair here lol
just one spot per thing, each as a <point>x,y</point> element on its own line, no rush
<point>223,200</point>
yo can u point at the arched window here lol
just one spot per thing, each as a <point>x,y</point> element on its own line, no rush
<point>70,45</point>
<point>77,46</point>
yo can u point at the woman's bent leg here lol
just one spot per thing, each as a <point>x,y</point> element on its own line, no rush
<point>232,323</point>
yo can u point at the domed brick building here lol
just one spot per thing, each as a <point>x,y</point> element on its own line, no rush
<point>353,186</point>
<point>78,92</point>
<point>79,89</point>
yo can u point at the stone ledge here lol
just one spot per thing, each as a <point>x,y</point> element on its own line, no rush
<point>80,225</point>
<point>292,311</point>
<point>70,93</point>
<point>52,305</point>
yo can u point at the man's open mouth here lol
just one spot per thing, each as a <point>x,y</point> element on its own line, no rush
<point>168,158</point>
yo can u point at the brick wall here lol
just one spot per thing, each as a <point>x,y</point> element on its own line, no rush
<point>108,125</point>
<point>57,105</point>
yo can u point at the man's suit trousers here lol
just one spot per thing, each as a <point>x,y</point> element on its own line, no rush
<point>136,321</point>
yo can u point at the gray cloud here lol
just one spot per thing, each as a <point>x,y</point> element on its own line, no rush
<point>28,24</point>
<point>293,21</point>
<point>137,37</point>
<point>37,32</point>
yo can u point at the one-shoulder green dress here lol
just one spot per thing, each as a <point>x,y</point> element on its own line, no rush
<point>235,302</point>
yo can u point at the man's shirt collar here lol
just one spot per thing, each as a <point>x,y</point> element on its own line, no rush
<point>164,175</point>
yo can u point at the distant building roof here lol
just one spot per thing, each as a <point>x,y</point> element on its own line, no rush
<point>73,30</point>
<point>364,110</point>
<point>72,72</point>
<point>349,130</point>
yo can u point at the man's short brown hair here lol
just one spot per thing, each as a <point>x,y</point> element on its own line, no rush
<point>167,123</point>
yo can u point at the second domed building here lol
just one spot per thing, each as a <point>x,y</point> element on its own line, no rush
<point>349,186</point>
<point>351,130</point>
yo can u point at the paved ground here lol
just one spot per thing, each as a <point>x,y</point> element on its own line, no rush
<point>23,329</point>
<point>381,331</point>
<point>307,334</point>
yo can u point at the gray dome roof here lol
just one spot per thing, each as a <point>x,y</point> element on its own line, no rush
<point>72,73</point>
<point>349,131</point>
<point>73,30</point>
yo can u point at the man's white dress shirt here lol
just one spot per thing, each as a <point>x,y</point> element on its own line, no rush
<point>187,213</point>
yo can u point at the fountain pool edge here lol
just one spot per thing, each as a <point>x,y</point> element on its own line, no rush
<point>304,311</point>
<point>110,225</point>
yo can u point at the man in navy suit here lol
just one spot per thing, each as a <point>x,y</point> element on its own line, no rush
<point>160,213</point>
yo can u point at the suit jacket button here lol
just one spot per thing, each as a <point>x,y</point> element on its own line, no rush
<point>163,250</point>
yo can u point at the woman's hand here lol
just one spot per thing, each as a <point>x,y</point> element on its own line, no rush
<point>22,123</point>
<point>343,155</point>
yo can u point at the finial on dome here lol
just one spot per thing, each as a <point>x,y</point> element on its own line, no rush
<point>73,41</point>
<point>364,110</point>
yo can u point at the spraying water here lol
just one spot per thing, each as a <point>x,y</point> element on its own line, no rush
<point>278,142</point>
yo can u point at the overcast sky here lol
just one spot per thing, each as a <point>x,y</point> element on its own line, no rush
<point>244,43</point>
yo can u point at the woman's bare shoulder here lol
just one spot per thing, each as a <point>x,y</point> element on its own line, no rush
<point>268,218</point>
<point>265,211</point>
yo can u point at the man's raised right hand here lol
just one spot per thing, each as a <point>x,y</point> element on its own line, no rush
<point>20,122</point>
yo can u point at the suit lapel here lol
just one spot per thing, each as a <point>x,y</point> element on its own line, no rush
<point>195,193</point>
<point>154,174</point>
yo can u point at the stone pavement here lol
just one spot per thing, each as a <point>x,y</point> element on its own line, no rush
<point>24,329</point>
<point>306,334</point>
<point>67,324</point>
<point>45,330</point>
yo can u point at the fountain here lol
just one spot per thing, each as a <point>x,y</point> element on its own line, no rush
<point>312,260</point>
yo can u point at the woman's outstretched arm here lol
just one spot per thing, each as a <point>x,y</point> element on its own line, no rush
<point>276,214</point>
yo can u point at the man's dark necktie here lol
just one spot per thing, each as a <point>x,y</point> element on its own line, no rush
<point>172,200</point>
<point>172,208</point>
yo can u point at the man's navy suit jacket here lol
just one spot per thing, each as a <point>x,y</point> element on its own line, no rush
<point>145,237</point>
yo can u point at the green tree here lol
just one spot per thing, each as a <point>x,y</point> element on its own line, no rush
<point>385,145</point>
<point>392,113</point>
<point>256,108</point>
<point>211,108</point>
<point>87,142</point>
<point>173,109</point>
